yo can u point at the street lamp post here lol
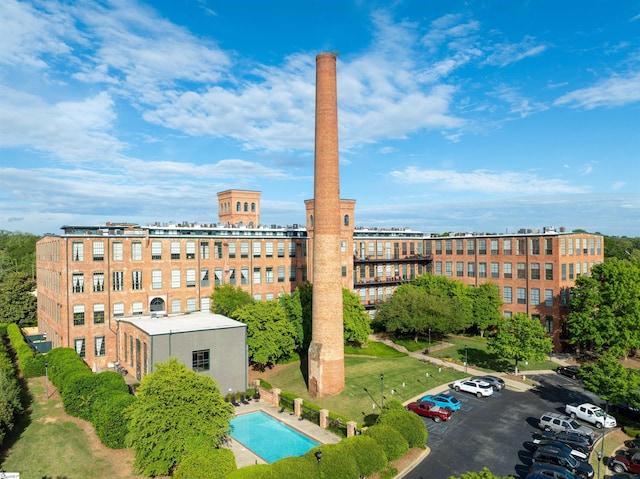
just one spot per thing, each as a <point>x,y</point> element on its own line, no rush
<point>382,388</point>
<point>599,460</point>
<point>466,358</point>
<point>429,348</point>
<point>318,457</point>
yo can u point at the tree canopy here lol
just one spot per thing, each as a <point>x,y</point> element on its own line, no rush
<point>610,380</point>
<point>17,301</point>
<point>520,338</point>
<point>227,298</point>
<point>175,407</point>
<point>605,308</point>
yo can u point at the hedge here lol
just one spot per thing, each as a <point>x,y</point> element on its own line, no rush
<point>108,419</point>
<point>407,423</point>
<point>393,443</point>
<point>257,471</point>
<point>31,364</point>
<point>369,455</point>
<point>206,464</point>
<point>10,391</point>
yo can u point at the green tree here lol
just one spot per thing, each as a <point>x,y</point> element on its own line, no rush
<point>357,326</point>
<point>175,407</point>
<point>17,253</point>
<point>227,298</point>
<point>270,334</point>
<point>610,380</point>
<point>17,302</point>
<point>520,338</point>
<point>293,309</point>
<point>485,473</point>
<point>487,306</point>
<point>605,308</point>
<point>459,299</point>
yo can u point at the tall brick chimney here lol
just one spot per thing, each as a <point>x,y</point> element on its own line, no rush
<point>326,352</point>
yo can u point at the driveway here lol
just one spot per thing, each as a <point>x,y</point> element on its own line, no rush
<point>495,432</point>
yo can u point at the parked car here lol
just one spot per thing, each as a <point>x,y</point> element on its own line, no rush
<point>575,440</point>
<point>552,421</point>
<point>627,410</point>
<point>496,383</point>
<point>549,470</point>
<point>590,413</point>
<point>480,388</point>
<point>558,457</point>
<point>579,455</point>
<point>443,400</point>
<point>569,371</point>
<point>624,475</point>
<point>625,461</point>
<point>429,409</point>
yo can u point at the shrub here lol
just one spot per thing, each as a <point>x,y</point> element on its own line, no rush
<point>369,455</point>
<point>301,467</point>
<point>392,442</point>
<point>206,464</point>
<point>10,403</point>
<point>407,423</point>
<point>31,365</point>
<point>257,471</point>
<point>109,421</point>
<point>79,394</point>
<point>335,464</point>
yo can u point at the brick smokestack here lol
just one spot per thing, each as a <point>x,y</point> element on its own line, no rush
<point>326,352</point>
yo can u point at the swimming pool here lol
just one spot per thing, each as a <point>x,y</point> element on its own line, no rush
<point>269,438</point>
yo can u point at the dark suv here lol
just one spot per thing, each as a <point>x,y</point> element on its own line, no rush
<point>542,471</point>
<point>559,457</point>
<point>573,439</point>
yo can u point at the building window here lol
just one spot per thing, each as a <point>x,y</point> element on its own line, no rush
<point>217,250</point>
<point>98,314</point>
<point>175,250</point>
<point>548,246</point>
<point>191,278</point>
<point>156,250</point>
<point>117,251</point>
<point>257,297</point>
<point>506,247</point>
<point>204,250</point>
<point>280,274</point>
<point>78,315</point>
<point>246,207</point>
<point>98,282</point>
<point>77,283</point>
<point>77,251</point>
<point>521,247</point>
<point>99,346</point>
<point>471,269</point>
<point>535,270</point>
<point>292,273</point>
<point>232,276</point>
<point>79,344</point>
<point>471,247</point>
<point>494,247</point>
<point>438,244</point>
<point>344,271</point>
<point>521,295</point>
<point>232,249</point>
<point>268,249</point>
<point>280,249</point>
<point>535,246</point>
<point>118,310</point>
<point>176,305</point>
<point>343,246</point>
<point>269,274</point>
<point>448,268</point>
<point>549,324</point>
<point>257,274</point>
<point>137,308</point>
<point>564,272</point>
<point>190,250</point>
<point>346,220</point>
<point>495,270</point>
<point>257,249</point>
<point>238,207</point>
<point>548,271</point>
<point>507,271</point>
<point>175,278</point>
<point>217,277</point>
<point>136,251</point>
<point>244,275</point>
<point>292,249</point>
<point>459,268</point>
<point>448,247</point>
<point>482,246</point>
<point>118,280</point>
<point>98,251</point>
<point>244,249</point>
<point>507,294</point>
<point>192,304</point>
<point>482,270</point>
<point>126,348</point>
<point>521,271</point>
<point>136,280</point>
<point>131,350</point>
<point>205,280</point>
<point>548,297</point>
<point>253,207</point>
<point>535,297</point>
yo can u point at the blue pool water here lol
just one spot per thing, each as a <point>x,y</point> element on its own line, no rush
<point>269,438</point>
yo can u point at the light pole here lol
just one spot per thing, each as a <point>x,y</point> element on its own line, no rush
<point>382,388</point>
<point>429,347</point>
<point>46,377</point>
<point>318,455</point>
<point>599,460</point>
<point>466,358</point>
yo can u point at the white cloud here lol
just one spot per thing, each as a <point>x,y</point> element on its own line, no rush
<point>612,92</point>
<point>483,181</point>
<point>506,53</point>
<point>518,104</point>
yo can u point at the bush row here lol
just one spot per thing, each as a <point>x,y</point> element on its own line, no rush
<point>359,456</point>
<point>31,363</point>
<point>98,398</point>
<point>10,403</point>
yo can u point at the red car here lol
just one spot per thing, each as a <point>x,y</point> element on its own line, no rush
<point>429,409</point>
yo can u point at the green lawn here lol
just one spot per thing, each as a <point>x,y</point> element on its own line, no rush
<point>51,446</point>
<point>481,358</point>
<point>404,378</point>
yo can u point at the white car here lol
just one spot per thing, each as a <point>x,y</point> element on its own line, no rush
<point>479,388</point>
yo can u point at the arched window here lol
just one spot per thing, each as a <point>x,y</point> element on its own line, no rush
<point>311,220</point>
<point>238,207</point>
<point>253,207</point>
<point>250,225</point>
<point>246,206</point>
<point>157,304</point>
<point>346,220</point>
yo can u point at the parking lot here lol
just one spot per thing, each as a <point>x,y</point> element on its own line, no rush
<point>496,431</point>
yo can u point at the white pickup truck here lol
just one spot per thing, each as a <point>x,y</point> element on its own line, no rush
<point>591,413</point>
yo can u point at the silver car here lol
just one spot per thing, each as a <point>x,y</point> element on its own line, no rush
<point>496,383</point>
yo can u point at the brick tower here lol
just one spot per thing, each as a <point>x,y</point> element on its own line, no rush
<point>326,352</point>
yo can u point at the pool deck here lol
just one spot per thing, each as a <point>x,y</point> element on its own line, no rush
<point>245,457</point>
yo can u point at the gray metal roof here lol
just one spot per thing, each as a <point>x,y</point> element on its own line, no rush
<point>183,323</point>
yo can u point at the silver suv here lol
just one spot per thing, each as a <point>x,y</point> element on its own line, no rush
<point>552,421</point>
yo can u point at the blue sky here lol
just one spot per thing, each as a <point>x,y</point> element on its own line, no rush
<point>454,116</point>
